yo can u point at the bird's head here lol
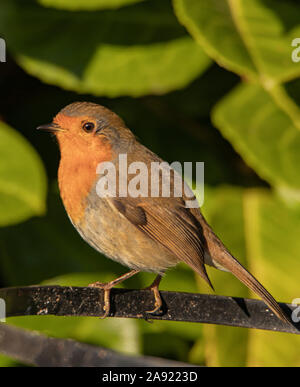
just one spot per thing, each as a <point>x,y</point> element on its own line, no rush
<point>87,127</point>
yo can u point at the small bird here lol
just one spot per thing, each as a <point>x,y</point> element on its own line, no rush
<point>148,233</point>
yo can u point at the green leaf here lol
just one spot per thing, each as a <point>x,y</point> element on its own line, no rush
<point>223,209</point>
<point>259,228</point>
<point>22,178</point>
<point>262,133</point>
<point>267,28</point>
<point>211,24</point>
<point>256,41</point>
<point>273,248</point>
<point>134,51</point>
<point>74,5</point>
<point>256,35</point>
<point>6,361</point>
<point>273,244</point>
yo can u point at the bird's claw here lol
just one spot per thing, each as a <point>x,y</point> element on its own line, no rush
<point>106,288</point>
<point>158,301</point>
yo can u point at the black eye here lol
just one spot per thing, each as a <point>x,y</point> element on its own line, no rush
<point>88,126</point>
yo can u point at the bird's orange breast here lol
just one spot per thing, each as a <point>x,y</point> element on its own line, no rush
<point>77,175</point>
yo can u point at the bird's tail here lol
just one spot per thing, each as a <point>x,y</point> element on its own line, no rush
<point>227,261</point>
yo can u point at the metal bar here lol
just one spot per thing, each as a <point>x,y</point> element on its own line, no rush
<point>201,308</point>
<point>37,349</point>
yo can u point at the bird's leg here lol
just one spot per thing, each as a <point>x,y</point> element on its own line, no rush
<point>106,287</point>
<point>154,288</point>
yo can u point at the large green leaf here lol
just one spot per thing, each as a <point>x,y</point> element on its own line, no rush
<point>133,51</point>
<point>223,208</point>
<point>74,5</point>
<point>273,248</point>
<point>22,178</point>
<point>211,23</point>
<point>259,227</point>
<point>252,38</point>
<point>262,133</point>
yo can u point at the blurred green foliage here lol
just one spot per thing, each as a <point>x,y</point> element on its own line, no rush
<point>182,74</point>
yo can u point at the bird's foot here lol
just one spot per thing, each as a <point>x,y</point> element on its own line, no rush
<point>158,301</point>
<point>106,287</point>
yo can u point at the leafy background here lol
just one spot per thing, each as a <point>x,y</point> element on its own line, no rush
<point>196,80</point>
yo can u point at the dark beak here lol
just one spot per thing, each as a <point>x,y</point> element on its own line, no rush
<point>52,127</point>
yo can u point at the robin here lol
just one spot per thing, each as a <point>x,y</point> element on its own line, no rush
<point>145,233</point>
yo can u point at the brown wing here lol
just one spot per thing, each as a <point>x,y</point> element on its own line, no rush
<point>172,226</point>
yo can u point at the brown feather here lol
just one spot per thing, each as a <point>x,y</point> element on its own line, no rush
<point>169,228</point>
